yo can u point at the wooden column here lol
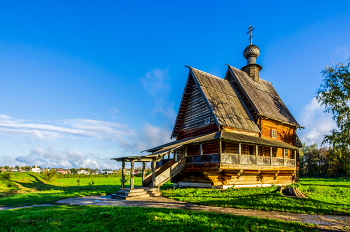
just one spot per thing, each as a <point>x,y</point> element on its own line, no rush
<point>143,171</point>
<point>200,149</point>
<point>220,152</point>
<point>270,151</point>
<point>295,157</point>
<point>240,151</point>
<point>256,153</point>
<point>132,175</point>
<point>123,175</point>
<point>153,173</point>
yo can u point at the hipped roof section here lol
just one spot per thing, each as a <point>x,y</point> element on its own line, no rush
<point>161,151</point>
<point>264,97</point>
<point>225,104</point>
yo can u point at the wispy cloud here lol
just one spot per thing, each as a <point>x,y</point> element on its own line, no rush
<point>316,123</point>
<point>64,128</point>
<point>157,83</point>
<point>341,53</point>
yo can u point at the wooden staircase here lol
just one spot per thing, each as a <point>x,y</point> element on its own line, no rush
<point>127,194</point>
<point>166,172</point>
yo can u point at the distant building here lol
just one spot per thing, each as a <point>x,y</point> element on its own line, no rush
<point>63,171</point>
<point>36,169</point>
<point>83,172</point>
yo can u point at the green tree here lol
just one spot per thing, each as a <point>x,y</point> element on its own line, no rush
<point>334,95</point>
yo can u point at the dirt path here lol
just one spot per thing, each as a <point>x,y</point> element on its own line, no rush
<point>332,222</point>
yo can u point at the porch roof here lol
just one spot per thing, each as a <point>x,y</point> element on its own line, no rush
<point>161,151</point>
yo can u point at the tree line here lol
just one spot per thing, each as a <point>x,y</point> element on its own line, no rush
<point>323,162</point>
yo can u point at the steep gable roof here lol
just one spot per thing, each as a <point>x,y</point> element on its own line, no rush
<point>262,96</point>
<point>227,108</point>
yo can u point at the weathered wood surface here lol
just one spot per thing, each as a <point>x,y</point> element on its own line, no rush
<point>262,96</point>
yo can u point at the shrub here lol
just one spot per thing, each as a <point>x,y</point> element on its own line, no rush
<point>49,176</point>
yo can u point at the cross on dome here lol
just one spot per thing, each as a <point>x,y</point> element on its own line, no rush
<point>251,36</point>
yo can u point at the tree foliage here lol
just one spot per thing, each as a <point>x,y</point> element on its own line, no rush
<point>334,95</point>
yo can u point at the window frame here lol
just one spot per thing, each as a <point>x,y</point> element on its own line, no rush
<point>274,133</point>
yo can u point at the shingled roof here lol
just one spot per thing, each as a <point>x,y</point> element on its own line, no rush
<point>263,97</point>
<point>224,103</point>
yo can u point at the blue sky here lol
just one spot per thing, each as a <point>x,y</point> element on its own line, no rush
<point>84,81</point>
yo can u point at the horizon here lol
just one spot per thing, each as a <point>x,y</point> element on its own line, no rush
<point>89,82</point>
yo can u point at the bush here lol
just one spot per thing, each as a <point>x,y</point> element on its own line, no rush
<point>6,176</point>
<point>49,176</point>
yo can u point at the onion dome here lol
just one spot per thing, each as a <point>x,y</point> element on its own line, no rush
<point>251,53</point>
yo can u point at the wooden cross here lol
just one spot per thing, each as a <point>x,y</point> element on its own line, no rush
<point>251,36</point>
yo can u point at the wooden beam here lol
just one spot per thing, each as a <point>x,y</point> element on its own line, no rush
<point>154,173</point>
<point>220,152</point>
<point>200,149</point>
<point>143,172</point>
<point>240,151</point>
<point>123,175</point>
<point>270,151</point>
<point>132,176</point>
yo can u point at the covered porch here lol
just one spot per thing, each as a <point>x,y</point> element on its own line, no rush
<point>216,152</point>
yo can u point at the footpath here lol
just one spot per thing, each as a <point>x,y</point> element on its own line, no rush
<point>325,222</point>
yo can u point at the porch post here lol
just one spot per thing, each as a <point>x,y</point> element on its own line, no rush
<point>271,156</point>
<point>295,157</point>
<point>143,171</point>
<point>123,175</point>
<point>240,151</point>
<point>220,152</point>
<point>256,153</point>
<point>200,149</point>
<point>132,175</point>
<point>153,173</point>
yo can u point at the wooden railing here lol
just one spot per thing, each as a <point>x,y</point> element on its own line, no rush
<point>148,179</point>
<point>198,159</point>
<point>236,159</point>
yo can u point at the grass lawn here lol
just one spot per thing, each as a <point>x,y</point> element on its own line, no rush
<point>107,218</point>
<point>30,189</point>
<point>326,196</point>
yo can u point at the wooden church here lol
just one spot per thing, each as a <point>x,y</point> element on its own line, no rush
<point>229,132</point>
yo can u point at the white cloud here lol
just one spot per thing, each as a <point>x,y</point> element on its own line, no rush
<point>64,159</point>
<point>70,128</point>
<point>317,123</point>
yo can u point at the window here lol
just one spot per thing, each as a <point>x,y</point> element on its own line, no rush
<point>207,120</point>
<point>274,133</point>
<point>285,152</point>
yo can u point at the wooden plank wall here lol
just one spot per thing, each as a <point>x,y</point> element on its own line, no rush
<point>196,110</point>
<point>197,132</point>
<point>285,133</point>
<point>210,148</point>
<point>230,147</point>
<point>193,150</point>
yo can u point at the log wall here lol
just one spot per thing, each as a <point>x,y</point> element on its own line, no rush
<point>285,133</point>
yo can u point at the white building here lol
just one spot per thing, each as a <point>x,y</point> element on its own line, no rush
<point>36,169</point>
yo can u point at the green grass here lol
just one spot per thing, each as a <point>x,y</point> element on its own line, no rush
<point>31,189</point>
<point>107,218</point>
<point>326,196</point>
